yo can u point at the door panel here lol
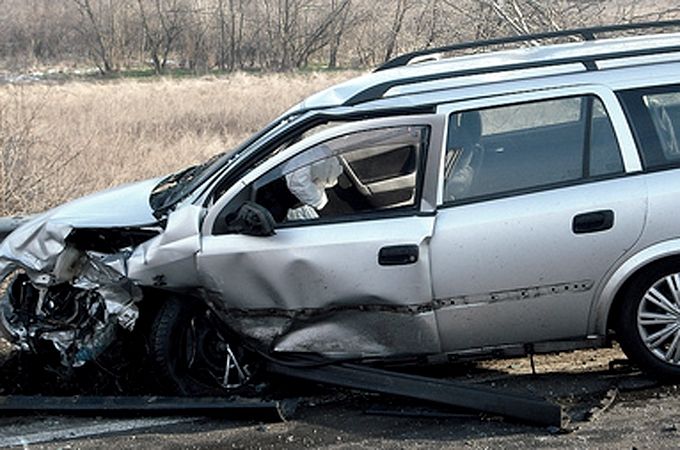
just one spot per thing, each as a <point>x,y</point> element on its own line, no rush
<point>512,271</point>
<point>351,276</point>
<point>531,227</point>
<point>328,281</point>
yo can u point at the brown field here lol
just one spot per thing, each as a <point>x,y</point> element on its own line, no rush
<point>62,141</point>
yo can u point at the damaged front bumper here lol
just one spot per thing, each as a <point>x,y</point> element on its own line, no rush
<point>72,287</point>
<point>78,306</point>
<point>78,322</point>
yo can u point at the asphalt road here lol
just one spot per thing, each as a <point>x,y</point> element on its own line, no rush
<point>608,408</point>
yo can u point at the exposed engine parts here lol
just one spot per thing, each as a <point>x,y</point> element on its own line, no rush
<point>78,323</point>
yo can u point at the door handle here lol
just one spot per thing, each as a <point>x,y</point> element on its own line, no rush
<point>398,255</point>
<point>593,222</point>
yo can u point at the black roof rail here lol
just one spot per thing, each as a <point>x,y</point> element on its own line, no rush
<point>587,34</point>
<point>376,91</point>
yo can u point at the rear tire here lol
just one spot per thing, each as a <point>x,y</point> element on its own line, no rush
<point>648,325</point>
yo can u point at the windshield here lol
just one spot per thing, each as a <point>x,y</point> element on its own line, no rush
<point>177,186</point>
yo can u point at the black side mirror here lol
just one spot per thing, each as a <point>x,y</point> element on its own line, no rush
<point>251,219</point>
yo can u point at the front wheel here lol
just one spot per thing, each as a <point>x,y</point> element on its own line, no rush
<point>648,327</point>
<point>192,356</point>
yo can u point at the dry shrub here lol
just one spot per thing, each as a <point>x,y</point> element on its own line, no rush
<point>63,141</point>
<point>28,156</point>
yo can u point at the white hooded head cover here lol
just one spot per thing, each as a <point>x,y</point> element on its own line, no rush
<point>309,183</point>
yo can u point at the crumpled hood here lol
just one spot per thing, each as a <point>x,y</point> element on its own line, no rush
<point>36,244</point>
<point>93,254</point>
<point>122,206</point>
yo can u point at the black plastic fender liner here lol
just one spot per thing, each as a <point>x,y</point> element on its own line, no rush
<point>236,408</point>
<point>522,408</point>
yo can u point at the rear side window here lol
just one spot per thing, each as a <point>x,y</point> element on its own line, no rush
<point>531,115</point>
<point>515,148</point>
<point>655,116</point>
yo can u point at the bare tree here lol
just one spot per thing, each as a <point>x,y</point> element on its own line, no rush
<point>633,11</point>
<point>337,32</point>
<point>279,34</point>
<point>30,164</point>
<point>93,31</point>
<point>237,18</point>
<point>222,24</point>
<point>399,13</point>
<point>530,16</point>
<point>230,19</point>
<point>294,30</point>
<point>196,36</point>
<point>161,21</point>
<point>321,35</point>
<point>427,23</point>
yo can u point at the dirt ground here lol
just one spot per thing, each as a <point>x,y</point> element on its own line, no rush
<point>610,406</point>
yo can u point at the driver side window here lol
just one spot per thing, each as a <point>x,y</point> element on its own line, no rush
<point>362,172</point>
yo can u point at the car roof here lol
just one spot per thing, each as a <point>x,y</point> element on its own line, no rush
<point>473,74</point>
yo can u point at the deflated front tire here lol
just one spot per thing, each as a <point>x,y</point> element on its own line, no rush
<point>190,354</point>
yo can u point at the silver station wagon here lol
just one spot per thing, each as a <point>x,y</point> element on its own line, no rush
<point>440,208</point>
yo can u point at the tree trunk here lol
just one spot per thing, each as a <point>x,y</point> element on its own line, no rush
<point>221,57</point>
<point>397,23</point>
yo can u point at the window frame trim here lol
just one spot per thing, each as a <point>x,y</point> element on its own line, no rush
<point>622,131</point>
<point>632,101</point>
<point>425,188</point>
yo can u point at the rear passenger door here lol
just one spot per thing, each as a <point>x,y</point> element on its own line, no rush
<point>535,207</point>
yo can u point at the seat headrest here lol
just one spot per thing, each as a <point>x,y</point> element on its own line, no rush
<point>465,129</point>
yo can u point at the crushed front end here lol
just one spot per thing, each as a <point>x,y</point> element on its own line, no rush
<point>66,274</point>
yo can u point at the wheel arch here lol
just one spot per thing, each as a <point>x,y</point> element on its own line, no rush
<point>153,299</point>
<point>615,287</point>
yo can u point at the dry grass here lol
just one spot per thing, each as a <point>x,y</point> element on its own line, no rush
<point>575,361</point>
<point>62,141</point>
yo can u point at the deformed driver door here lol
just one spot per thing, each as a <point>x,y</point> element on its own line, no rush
<point>348,271</point>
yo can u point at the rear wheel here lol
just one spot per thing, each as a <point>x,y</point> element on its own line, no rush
<point>648,326</point>
<point>191,355</point>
